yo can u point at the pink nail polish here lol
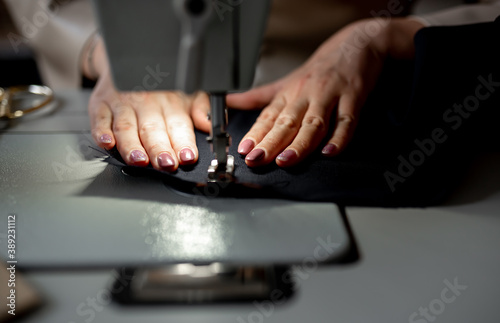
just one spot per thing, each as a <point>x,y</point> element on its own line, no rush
<point>245,146</point>
<point>255,155</point>
<point>287,156</point>
<point>329,149</point>
<point>186,155</point>
<point>138,156</point>
<point>165,160</point>
<point>106,139</point>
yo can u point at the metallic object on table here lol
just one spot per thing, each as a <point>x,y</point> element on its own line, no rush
<point>12,99</point>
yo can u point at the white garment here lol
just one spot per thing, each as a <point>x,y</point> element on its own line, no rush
<point>56,30</point>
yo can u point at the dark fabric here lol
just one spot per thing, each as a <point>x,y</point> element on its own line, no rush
<point>410,103</point>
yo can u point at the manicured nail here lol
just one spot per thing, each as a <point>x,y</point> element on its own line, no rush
<point>138,156</point>
<point>329,149</point>
<point>287,156</point>
<point>245,146</point>
<point>186,155</point>
<point>165,160</point>
<point>255,155</point>
<point>106,139</point>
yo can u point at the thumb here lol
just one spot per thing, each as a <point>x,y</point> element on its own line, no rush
<point>199,112</point>
<point>256,98</point>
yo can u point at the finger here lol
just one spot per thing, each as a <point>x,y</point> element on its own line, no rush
<point>154,137</point>
<point>180,127</point>
<point>281,135</point>
<point>200,110</point>
<point>127,137</point>
<point>101,119</point>
<point>253,99</point>
<point>262,126</point>
<point>313,129</point>
<point>345,124</point>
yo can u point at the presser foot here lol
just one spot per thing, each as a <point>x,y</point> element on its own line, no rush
<point>220,173</point>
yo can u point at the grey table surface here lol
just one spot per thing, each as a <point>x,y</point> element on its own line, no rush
<point>437,264</point>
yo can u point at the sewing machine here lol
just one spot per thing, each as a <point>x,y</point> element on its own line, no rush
<point>189,45</point>
<point>212,46</point>
<point>75,212</point>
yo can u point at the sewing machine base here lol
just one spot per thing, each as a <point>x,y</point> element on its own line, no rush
<point>202,284</point>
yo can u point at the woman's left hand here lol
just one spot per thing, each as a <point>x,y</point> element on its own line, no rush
<point>335,80</point>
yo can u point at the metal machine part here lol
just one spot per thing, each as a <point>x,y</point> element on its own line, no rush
<point>219,173</point>
<point>149,42</point>
<point>188,283</point>
<point>221,168</point>
<point>195,16</point>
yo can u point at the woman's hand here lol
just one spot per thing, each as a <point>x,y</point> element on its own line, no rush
<point>335,80</point>
<point>146,127</point>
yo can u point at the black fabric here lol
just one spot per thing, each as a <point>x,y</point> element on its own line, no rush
<point>410,103</point>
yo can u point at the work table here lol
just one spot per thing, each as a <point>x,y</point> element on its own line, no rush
<point>415,264</point>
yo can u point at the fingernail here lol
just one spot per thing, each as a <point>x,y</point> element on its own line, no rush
<point>106,139</point>
<point>245,146</point>
<point>329,149</point>
<point>287,156</point>
<point>255,155</point>
<point>187,155</point>
<point>165,160</point>
<point>138,156</point>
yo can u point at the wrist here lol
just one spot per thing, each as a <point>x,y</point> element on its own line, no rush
<point>93,59</point>
<point>388,37</point>
<point>400,37</point>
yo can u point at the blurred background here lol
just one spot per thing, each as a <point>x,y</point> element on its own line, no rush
<point>19,67</point>
<point>15,67</point>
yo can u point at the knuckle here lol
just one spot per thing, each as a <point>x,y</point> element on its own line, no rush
<point>267,117</point>
<point>286,121</point>
<point>353,82</point>
<point>123,126</point>
<point>316,122</point>
<point>323,84</point>
<point>357,84</point>
<point>347,120</point>
<point>147,127</point>
<point>339,79</point>
<point>101,119</point>
<point>133,97</point>
<point>178,125</point>
<point>118,106</point>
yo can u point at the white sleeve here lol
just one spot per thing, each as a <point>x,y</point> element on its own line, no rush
<point>461,15</point>
<point>56,30</point>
